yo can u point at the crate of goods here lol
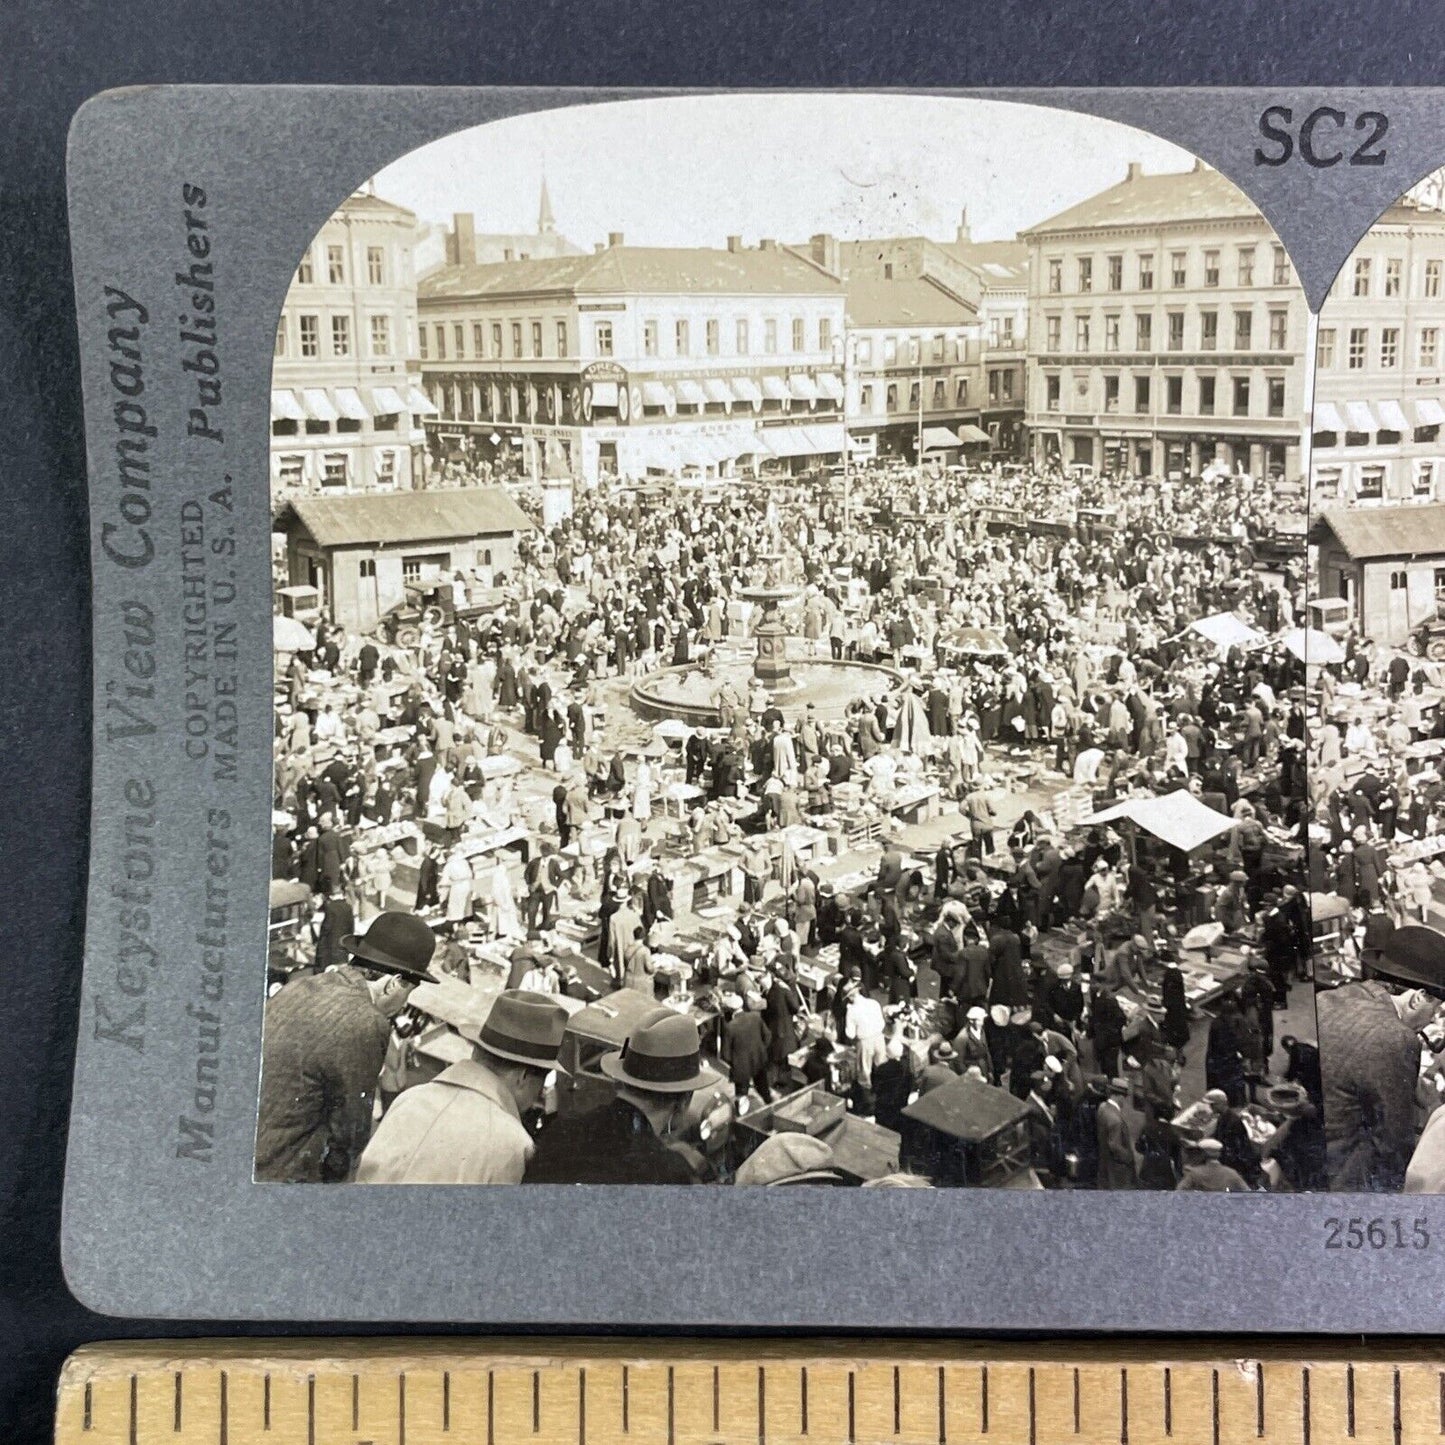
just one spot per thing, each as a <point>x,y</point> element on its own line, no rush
<point>812,1113</point>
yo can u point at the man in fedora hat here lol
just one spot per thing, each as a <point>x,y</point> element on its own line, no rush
<point>465,1126</point>
<point>627,1141</point>
<point>322,1047</point>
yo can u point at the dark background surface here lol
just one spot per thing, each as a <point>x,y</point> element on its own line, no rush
<point>53,56</point>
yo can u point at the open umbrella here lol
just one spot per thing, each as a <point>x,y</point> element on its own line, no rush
<point>1415,954</point>
<point>292,636</point>
<point>1311,645</point>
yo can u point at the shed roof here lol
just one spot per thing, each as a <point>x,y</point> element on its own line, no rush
<point>1403,531</point>
<point>392,517</point>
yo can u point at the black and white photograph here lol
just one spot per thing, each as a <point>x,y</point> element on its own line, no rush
<point>1376,644</point>
<point>796,664</point>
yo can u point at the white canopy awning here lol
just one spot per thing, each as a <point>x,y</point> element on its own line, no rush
<point>387,401</point>
<point>350,404</point>
<point>1225,630</point>
<point>604,393</point>
<point>285,407</point>
<point>801,387</point>
<point>775,389</point>
<point>689,393</point>
<point>654,393</point>
<point>1178,819</point>
<point>318,405</point>
<point>827,438</point>
<point>1360,416</point>
<point>1327,418</point>
<point>1429,412</point>
<point>717,390</point>
<point>1311,645</point>
<point>1392,416</point>
<point>830,385</point>
<point>938,438</point>
<point>746,389</point>
<point>418,402</point>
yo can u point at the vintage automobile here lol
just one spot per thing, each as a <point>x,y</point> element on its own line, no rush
<point>302,603</point>
<point>969,1133</point>
<point>1329,615</point>
<point>430,600</point>
<point>1428,638</point>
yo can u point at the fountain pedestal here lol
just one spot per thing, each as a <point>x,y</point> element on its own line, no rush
<point>771,664</point>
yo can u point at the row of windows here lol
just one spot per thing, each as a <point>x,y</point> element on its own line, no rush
<point>1174,331</point>
<point>333,265</point>
<point>937,396</point>
<point>387,422</point>
<point>1240,392</point>
<point>337,335</point>
<point>1326,483</point>
<point>452,339</point>
<point>1385,276</point>
<point>1245,270</point>
<point>912,350</point>
<point>1386,350</point>
<point>337,470</point>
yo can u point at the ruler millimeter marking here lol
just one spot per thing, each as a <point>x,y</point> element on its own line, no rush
<point>747,1392</point>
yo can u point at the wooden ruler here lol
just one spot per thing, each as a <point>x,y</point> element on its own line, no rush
<point>742,1392</point>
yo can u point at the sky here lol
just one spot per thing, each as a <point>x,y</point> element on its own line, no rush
<point>689,171</point>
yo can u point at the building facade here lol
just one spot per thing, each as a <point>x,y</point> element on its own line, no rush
<point>346,402</point>
<point>1167,331</point>
<point>636,361</point>
<point>1380,372</point>
<point>1386,561</point>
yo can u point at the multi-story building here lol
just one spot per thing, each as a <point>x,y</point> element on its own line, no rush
<point>346,402</point>
<point>633,360</point>
<point>462,243</point>
<point>1380,367</point>
<point>1167,330</point>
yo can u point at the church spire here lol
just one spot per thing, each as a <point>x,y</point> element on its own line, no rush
<point>546,221</point>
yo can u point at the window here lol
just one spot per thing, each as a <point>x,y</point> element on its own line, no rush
<point>280,347</point>
<point>386,421</point>
<point>1146,273</point>
<point>960,391</point>
<point>561,338</point>
<point>1359,345</point>
<point>1432,278</point>
<point>291,470</point>
<point>427,564</point>
<point>336,265</point>
<point>536,338</point>
<point>441,342</point>
<point>602,337</point>
<point>421,342</point>
<point>1241,396</point>
<point>864,353</point>
<point>1371,488</point>
<point>304,273</point>
<point>479,340</point>
<point>335,469</point>
<point>1081,333</point>
<point>341,336</point>
<point>1280,275</point>
<point>1361,283</point>
<point>385,477</point>
<point>1173,395</point>
<point>1398,581</point>
<point>742,341</point>
<point>1246,265</point>
<point>1178,268</point>
<point>891,397</point>
<point>712,336</point>
<point>1429,345</point>
<point>890,350</point>
<point>1051,392</point>
<point>1144,332</point>
<point>1243,330</point>
<point>1423,485</point>
<point>799,339</point>
<point>865,397</point>
<point>1053,333</point>
<point>497,340</point>
<point>1389,348</point>
<point>1325,483</point>
<point>770,336</point>
<point>649,338</point>
<point>1008,384</point>
<point>310,335</point>
<point>1278,330</point>
<point>1111,332</point>
<point>1116,273</point>
<point>1325,348</point>
<point>1394,274</point>
<point>1176,330</point>
<point>1211,268</point>
<point>993,385</point>
<point>459,340</point>
<point>1141,393</point>
<point>1209,330</point>
<point>938,345</point>
<point>1111,392</point>
<point>915,396</point>
<point>940,393</point>
<point>1056,275</point>
<point>1276,396</point>
<point>1206,396</point>
<point>825,333</point>
<point>1086,273</point>
<point>915,350</point>
<point>516,339</point>
<point>375,266</point>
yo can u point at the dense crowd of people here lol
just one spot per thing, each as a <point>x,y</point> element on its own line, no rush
<point>485,803</point>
